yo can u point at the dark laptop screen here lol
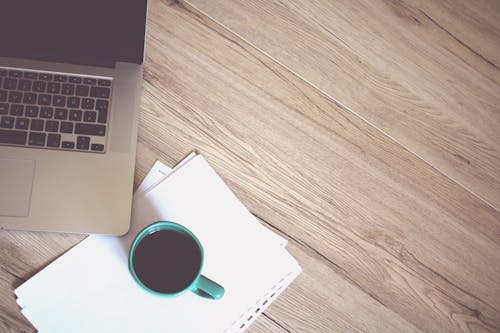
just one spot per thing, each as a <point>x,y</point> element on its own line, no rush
<point>88,32</point>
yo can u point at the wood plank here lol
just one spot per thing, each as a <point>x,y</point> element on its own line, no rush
<point>345,306</point>
<point>406,248</point>
<point>426,73</point>
<point>265,325</point>
<point>414,240</point>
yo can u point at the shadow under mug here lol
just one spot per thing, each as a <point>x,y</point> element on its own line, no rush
<point>157,262</point>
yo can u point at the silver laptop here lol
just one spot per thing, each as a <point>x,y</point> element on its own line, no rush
<point>70,78</point>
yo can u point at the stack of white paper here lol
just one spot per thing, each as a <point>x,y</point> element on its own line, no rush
<point>89,288</point>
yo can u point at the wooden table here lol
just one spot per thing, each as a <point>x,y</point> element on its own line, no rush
<point>365,132</point>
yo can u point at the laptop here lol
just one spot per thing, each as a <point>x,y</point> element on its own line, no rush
<point>70,81</point>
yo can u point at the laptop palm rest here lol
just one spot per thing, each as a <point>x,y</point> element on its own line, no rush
<point>16,181</point>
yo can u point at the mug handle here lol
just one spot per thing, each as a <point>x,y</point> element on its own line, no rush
<point>207,288</point>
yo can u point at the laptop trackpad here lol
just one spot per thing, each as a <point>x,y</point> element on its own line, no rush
<point>16,180</point>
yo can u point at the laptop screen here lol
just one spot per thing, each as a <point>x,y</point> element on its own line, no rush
<point>86,32</point>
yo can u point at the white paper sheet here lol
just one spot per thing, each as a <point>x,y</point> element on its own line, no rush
<point>89,288</point>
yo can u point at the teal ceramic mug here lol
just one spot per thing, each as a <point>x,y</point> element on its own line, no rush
<point>166,259</point>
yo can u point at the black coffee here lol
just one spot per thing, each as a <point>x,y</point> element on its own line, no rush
<point>167,261</point>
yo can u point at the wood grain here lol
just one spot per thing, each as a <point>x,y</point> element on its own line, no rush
<point>426,73</point>
<point>265,325</point>
<point>387,242</point>
<point>393,225</point>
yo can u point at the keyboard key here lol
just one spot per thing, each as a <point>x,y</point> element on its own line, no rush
<point>82,142</point>
<point>7,122</point>
<point>75,115</point>
<point>16,109</point>
<point>90,129</point>
<point>24,85</point>
<point>104,83</point>
<point>100,92</point>
<point>51,126</point>
<point>30,75</point>
<point>75,79</point>
<point>44,99</point>
<point>39,86</point>
<point>46,112</point>
<point>53,87</point>
<point>68,145</point>
<point>22,123</point>
<point>4,108</point>
<point>87,103</point>
<point>66,127</point>
<point>3,95</point>
<point>36,139</point>
<point>9,83</point>
<point>37,125</point>
<point>90,116</point>
<point>45,76</point>
<point>53,140</point>
<point>60,78</point>
<point>59,100</point>
<point>13,73</point>
<point>31,111</point>
<point>61,114</point>
<point>102,106</point>
<point>89,81</point>
<point>82,90</point>
<point>102,117</point>
<point>13,137</point>
<point>73,102</point>
<point>15,96</point>
<point>29,98</point>
<point>97,147</point>
<point>68,89</point>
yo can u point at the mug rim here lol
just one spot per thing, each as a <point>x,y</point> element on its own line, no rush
<point>154,227</point>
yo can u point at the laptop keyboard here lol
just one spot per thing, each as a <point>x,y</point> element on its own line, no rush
<point>53,111</point>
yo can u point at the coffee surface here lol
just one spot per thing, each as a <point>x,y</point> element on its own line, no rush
<point>167,261</point>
